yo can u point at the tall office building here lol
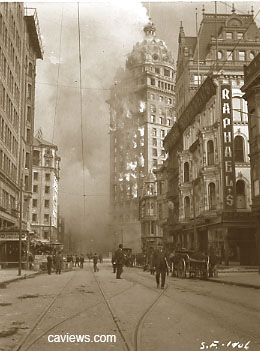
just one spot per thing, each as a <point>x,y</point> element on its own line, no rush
<point>141,114</point>
<point>20,47</point>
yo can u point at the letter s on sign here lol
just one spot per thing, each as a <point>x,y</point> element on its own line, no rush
<point>229,200</point>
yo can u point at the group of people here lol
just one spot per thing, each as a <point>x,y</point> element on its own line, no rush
<point>159,264</point>
<point>56,261</point>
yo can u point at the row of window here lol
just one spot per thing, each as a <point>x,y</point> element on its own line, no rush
<point>160,120</point>
<point>239,155</point>
<point>11,29</point>
<point>160,98</point>
<point>46,218</point>
<point>46,203</point>
<point>8,138</point>
<point>240,192</point>
<point>236,55</point>
<point>160,84</point>
<point>7,201</point>
<point>7,105</point>
<point>36,176</point>
<point>8,166</point>
<point>162,132</point>
<point>46,189</point>
<point>159,70</point>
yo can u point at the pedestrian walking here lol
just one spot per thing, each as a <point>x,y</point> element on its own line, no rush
<point>81,260</point>
<point>49,264</point>
<point>95,261</point>
<point>100,258</point>
<point>58,262</point>
<point>119,260</point>
<point>77,261</point>
<point>113,263</point>
<point>160,265</point>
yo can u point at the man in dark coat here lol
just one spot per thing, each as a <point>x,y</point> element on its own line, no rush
<point>95,261</point>
<point>58,262</point>
<point>160,264</point>
<point>119,260</point>
<point>49,263</point>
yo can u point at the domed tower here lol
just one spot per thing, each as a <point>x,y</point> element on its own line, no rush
<point>141,113</point>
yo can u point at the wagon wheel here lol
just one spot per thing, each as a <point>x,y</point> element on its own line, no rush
<point>181,269</point>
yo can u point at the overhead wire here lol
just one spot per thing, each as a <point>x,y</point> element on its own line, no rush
<point>58,76</point>
<point>81,114</point>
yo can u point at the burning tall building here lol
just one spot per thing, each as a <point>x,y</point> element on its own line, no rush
<point>141,113</point>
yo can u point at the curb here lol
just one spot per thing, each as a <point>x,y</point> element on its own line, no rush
<point>244,285</point>
<point>25,276</point>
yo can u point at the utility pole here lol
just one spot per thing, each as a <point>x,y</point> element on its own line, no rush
<point>20,227</point>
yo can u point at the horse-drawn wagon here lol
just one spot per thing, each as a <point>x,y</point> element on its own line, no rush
<point>188,263</point>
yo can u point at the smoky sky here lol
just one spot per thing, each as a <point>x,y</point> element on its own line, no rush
<point>108,32</point>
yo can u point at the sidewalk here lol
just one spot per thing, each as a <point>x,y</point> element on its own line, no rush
<point>240,276</point>
<point>9,275</point>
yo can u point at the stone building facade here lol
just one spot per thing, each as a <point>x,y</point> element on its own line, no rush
<point>20,47</point>
<point>208,164</point>
<point>44,208</point>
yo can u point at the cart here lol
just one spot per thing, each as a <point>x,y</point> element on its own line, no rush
<point>189,263</point>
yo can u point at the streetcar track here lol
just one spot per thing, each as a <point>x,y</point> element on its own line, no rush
<point>206,294</point>
<point>25,347</point>
<point>139,322</point>
<point>41,317</point>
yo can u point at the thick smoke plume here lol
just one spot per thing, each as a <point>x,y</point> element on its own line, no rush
<point>108,32</point>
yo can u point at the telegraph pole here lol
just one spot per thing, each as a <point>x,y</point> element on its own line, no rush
<point>20,227</point>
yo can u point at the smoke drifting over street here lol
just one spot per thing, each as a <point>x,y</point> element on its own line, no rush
<point>108,32</point>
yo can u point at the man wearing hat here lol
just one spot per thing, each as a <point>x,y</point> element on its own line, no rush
<point>160,264</point>
<point>119,260</point>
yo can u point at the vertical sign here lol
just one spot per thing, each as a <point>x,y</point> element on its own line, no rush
<point>229,182</point>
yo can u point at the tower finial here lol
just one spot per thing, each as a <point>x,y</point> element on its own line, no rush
<point>252,10</point>
<point>150,28</point>
<point>203,10</point>
<point>233,8</point>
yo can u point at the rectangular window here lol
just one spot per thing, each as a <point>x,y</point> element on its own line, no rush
<point>34,202</point>
<point>154,131</point>
<point>152,96</point>
<point>47,189</point>
<point>35,175</point>
<point>36,158</point>
<point>169,101</point>
<point>229,35</point>
<point>241,55</point>
<point>46,203</point>
<point>34,217</point>
<point>230,55</point>
<point>240,35</point>
<point>162,133</point>
<point>154,142</point>
<point>168,122</point>
<point>46,218</point>
<point>35,188</point>
<point>155,152</point>
<point>167,72</point>
<point>47,177</point>
<point>45,235</point>
<point>161,98</point>
<point>157,70</point>
<point>160,120</point>
<point>153,118</point>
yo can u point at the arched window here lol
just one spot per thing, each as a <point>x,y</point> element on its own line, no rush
<point>210,150</point>
<point>187,207</point>
<point>212,196</point>
<point>241,194</point>
<point>239,148</point>
<point>186,172</point>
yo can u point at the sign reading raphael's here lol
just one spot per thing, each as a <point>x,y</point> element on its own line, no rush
<point>229,183</point>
